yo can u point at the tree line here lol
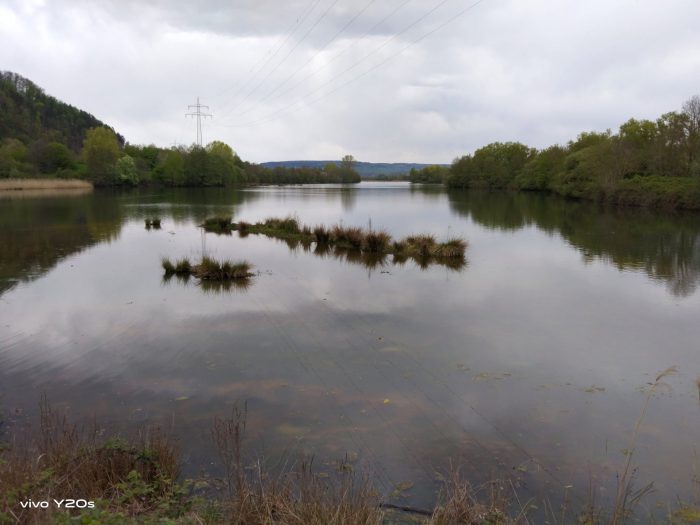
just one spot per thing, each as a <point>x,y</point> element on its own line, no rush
<point>40,136</point>
<point>646,163</point>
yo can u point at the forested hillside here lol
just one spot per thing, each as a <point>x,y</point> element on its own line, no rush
<point>30,115</point>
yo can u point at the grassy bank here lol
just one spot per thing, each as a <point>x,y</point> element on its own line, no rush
<point>346,240</point>
<point>137,481</point>
<point>43,184</point>
<point>119,481</point>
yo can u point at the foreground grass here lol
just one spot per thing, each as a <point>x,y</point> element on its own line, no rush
<point>372,244</point>
<point>137,482</point>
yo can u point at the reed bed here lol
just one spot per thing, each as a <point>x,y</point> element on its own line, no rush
<point>209,269</point>
<point>43,184</point>
<point>424,249</point>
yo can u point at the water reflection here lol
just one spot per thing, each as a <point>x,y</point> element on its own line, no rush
<point>528,365</point>
<point>664,245</point>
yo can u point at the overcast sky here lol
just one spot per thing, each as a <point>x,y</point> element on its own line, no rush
<point>384,80</point>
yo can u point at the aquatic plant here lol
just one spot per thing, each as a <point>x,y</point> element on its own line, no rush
<point>424,249</point>
<point>353,236</point>
<point>210,268</point>
<point>422,245</point>
<point>218,224</point>
<point>377,241</point>
<point>152,223</point>
<point>321,234</point>
<point>288,225</point>
<point>167,265</point>
<point>452,248</point>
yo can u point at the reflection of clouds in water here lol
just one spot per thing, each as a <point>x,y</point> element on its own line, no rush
<point>320,345</point>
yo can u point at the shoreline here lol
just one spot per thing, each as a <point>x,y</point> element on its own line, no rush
<point>7,185</point>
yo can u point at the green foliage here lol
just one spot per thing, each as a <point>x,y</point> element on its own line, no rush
<point>52,157</point>
<point>126,171</point>
<point>101,151</point>
<point>13,159</point>
<point>29,115</point>
<point>170,168</point>
<point>494,166</point>
<point>429,175</point>
<point>646,163</point>
<point>539,172</point>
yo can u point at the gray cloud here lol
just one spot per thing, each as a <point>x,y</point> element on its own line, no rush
<point>537,71</point>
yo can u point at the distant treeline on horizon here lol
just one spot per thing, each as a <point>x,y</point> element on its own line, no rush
<point>646,163</point>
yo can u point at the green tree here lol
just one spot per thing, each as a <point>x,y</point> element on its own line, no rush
<point>101,151</point>
<point>494,166</point>
<point>223,165</point>
<point>126,171</point>
<point>52,156</point>
<point>13,159</point>
<point>170,168</point>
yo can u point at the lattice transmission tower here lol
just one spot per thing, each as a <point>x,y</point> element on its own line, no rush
<point>197,112</point>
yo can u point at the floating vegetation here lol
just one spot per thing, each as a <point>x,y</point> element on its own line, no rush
<point>368,247</point>
<point>218,224</point>
<point>209,269</point>
<point>152,223</point>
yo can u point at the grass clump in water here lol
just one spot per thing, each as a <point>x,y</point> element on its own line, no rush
<point>424,249</point>
<point>218,224</point>
<point>152,223</point>
<point>212,269</point>
<point>321,235</point>
<point>377,241</point>
<point>209,269</point>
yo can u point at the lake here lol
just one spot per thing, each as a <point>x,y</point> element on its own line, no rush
<point>531,362</point>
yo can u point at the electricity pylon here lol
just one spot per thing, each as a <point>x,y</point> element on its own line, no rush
<point>198,113</point>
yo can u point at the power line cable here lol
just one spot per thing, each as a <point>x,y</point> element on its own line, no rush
<point>274,115</point>
<point>282,40</point>
<point>341,52</point>
<point>296,45</point>
<point>329,42</point>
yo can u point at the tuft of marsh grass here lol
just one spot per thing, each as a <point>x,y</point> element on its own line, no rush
<point>288,225</point>
<point>218,224</point>
<point>452,248</point>
<point>377,241</point>
<point>322,235</point>
<point>353,236</point>
<point>225,270</point>
<point>422,245</point>
<point>168,266</point>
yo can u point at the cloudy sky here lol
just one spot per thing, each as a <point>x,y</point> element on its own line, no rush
<point>385,80</point>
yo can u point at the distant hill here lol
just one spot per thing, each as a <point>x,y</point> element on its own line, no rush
<point>365,169</point>
<point>28,114</point>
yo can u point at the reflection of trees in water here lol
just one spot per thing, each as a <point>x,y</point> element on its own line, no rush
<point>38,233</point>
<point>664,245</point>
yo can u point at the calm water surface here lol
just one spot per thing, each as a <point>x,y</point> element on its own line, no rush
<point>531,362</point>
